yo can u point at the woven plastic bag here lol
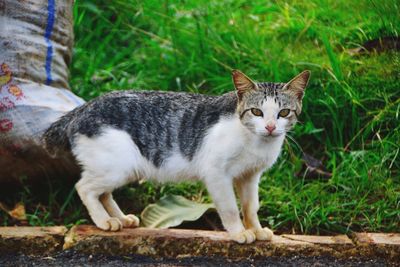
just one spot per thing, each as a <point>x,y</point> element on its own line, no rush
<point>36,40</point>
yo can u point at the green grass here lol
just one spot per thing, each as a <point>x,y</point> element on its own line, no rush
<point>350,118</point>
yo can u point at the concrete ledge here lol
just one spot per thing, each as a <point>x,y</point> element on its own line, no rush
<point>182,243</point>
<point>379,245</point>
<point>31,240</point>
<point>179,243</point>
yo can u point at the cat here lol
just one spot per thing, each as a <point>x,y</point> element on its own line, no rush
<point>225,141</point>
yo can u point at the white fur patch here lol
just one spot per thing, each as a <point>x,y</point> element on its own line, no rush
<point>110,158</point>
<point>233,149</point>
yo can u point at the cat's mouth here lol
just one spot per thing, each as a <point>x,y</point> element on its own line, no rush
<point>271,135</point>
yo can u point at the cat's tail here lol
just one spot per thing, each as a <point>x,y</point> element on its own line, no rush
<point>56,138</point>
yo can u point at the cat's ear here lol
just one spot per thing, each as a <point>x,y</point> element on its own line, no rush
<point>242,83</point>
<point>297,85</point>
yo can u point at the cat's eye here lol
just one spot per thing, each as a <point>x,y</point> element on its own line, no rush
<point>256,112</point>
<point>283,113</point>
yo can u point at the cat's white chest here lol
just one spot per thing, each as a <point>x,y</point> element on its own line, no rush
<point>234,150</point>
<point>255,156</point>
<point>262,152</point>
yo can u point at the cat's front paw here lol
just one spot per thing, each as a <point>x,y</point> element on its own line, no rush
<point>247,236</point>
<point>130,221</point>
<point>263,234</point>
<point>112,224</point>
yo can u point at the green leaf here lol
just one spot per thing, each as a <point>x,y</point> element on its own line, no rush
<point>172,210</point>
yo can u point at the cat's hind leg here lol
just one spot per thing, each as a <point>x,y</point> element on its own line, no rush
<point>113,210</point>
<point>108,161</point>
<point>90,194</point>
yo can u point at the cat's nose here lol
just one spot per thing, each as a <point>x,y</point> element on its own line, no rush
<point>270,127</point>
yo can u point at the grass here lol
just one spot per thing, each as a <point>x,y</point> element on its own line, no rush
<point>350,118</point>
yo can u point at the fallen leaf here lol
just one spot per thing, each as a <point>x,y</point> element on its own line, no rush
<point>18,212</point>
<point>172,210</point>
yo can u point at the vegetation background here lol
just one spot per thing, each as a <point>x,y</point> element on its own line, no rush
<point>350,119</point>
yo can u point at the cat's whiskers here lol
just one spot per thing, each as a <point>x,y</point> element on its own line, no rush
<point>294,141</point>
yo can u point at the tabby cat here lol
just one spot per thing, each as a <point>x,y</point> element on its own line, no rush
<point>225,141</point>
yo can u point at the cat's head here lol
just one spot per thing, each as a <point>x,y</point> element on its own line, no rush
<point>269,109</point>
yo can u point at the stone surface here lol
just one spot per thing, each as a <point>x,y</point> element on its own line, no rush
<point>184,243</point>
<point>379,244</point>
<point>378,238</point>
<point>322,240</point>
<point>31,240</point>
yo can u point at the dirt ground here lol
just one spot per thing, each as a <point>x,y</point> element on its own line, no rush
<point>71,258</point>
